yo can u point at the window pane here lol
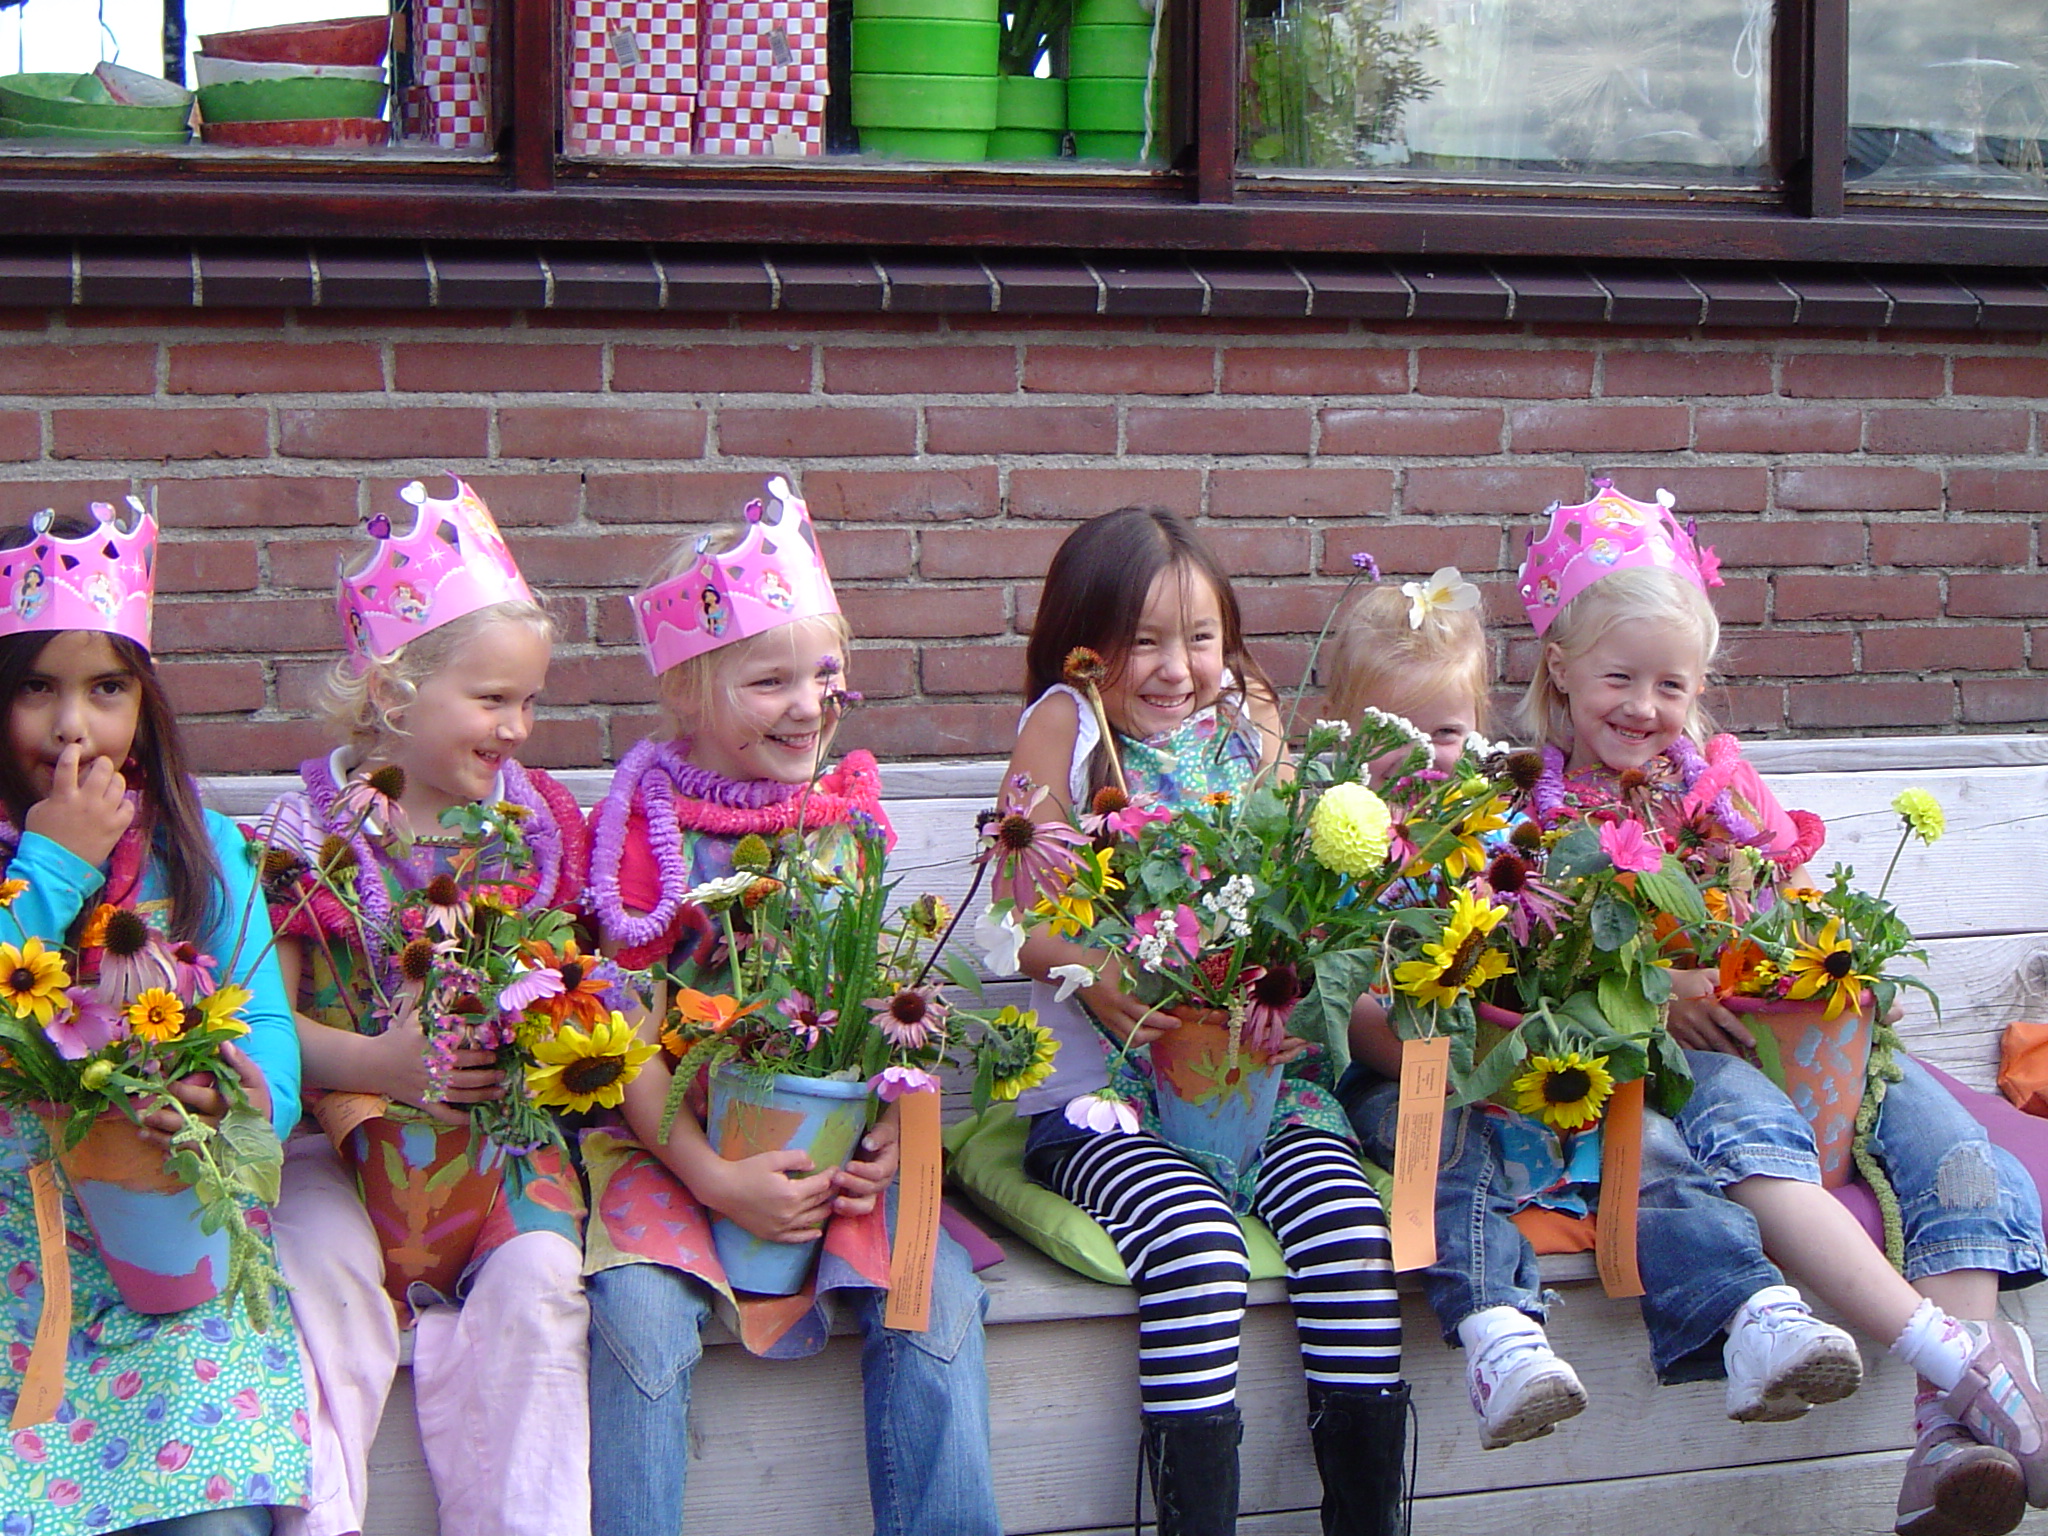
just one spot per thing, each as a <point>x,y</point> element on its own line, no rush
<point>1578,91</point>
<point>1948,96</point>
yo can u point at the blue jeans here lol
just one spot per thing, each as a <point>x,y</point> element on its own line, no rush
<point>925,1395</point>
<point>244,1520</point>
<point>1698,1252</point>
<point>1964,1203</point>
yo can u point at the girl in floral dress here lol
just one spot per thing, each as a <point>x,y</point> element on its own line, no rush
<point>189,1423</point>
<point>1194,718</point>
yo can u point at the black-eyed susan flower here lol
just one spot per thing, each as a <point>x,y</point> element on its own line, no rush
<point>578,1072</point>
<point>1827,966</point>
<point>1566,1092</point>
<point>32,979</point>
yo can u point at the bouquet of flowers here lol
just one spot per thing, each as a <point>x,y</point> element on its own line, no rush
<point>105,1027</point>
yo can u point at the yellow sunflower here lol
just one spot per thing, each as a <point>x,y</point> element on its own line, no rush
<point>221,1010</point>
<point>1025,1049</point>
<point>1459,960</point>
<point>157,1015</point>
<point>1072,912</point>
<point>32,980</point>
<point>1469,855</point>
<point>1828,965</point>
<point>580,1072</point>
<point>1567,1092</point>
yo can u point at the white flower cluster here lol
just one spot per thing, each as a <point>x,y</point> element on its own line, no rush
<point>1341,727</point>
<point>1232,904</point>
<point>1149,949</point>
<point>1479,746</point>
<point>1404,726</point>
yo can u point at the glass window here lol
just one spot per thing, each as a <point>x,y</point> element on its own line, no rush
<point>1521,91</point>
<point>1948,96</point>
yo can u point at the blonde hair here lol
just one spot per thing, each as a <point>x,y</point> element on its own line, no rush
<point>361,698</point>
<point>1640,592</point>
<point>1377,657</point>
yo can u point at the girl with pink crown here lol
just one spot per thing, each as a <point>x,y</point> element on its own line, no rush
<point>745,639</point>
<point>191,1422</point>
<point>1617,591</point>
<point>432,699</point>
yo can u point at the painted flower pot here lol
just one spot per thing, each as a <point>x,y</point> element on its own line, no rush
<point>1821,1065</point>
<point>821,1116</point>
<point>1031,118</point>
<point>903,45</point>
<point>428,1188</point>
<point>144,1218</point>
<point>1213,1100</point>
<point>1110,51</point>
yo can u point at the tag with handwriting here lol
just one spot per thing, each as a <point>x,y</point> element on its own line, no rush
<point>42,1384</point>
<point>917,1214</point>
<point>1418,1139</point>
<point>1621,1179</point>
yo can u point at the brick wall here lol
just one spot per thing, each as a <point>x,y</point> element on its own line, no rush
<point>1875,500</point>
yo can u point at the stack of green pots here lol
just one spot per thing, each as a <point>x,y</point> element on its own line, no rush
<point>924,77</point>
<point>1109,55</point>
<point>1031,118</point>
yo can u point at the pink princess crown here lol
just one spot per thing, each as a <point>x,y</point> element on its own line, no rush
<point>773,576</point>
<point>453,562</point>
<point>1612,532</point>
<point>104,579</point>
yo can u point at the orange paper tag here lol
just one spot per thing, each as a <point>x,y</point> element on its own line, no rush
<point>1418,1135</point>
<point>917,1214</point>
<point>341,1113</point>
<point>1621,1179</point>
<point>42,1384</point>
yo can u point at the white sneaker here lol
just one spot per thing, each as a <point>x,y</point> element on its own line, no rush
<point>1520,1389</point>
<point>1782,1359</point>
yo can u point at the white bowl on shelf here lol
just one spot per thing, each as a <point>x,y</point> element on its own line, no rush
<point>214,71</point>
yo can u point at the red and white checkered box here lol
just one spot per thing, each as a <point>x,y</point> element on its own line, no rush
<point>766,45</point>
<point>452,111</point>
<point>451,39</point>
<point>633,47</point>
<point>787,125</point>
<point>628,123</point>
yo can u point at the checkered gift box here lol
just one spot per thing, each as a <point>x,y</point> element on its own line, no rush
<point>643,47</point>
<point>627,123</point>
<point>452,111</point>
<point>451,39</point>
<point>733,120</point>
<point>766,45</point>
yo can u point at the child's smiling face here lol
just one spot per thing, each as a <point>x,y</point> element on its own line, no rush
<point>768,705</point>
<point>1174,666</point>
<point>1630,692</point>
<point>1444,712</point>
<point>465,721</point>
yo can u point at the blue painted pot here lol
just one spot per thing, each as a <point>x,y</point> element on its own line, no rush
<point>1212,1102</point>
<point>144,1219</point>
<point>822,1116</point>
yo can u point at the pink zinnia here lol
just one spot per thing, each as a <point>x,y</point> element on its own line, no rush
<point>1629,849</point>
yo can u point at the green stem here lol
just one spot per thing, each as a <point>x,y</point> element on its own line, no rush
<point>1885,884</point>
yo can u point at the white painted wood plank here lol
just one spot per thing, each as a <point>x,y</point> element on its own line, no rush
<point>1881,753</point>
<point>1984,984</point>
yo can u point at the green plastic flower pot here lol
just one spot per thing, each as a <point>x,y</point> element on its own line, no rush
<point>925,143</point>
<point>1099,52</point>
<point>1025,144</point>
<point>1026,102</point>
<point>1106,106</point>
<point>961,103</point>
<point>906,45</point>
<point>929,10</point>
<point>1122,147</point>
<point>1110,13</point>
<point>80,106</point>
<point>14,128</point>
<point>273,101</point>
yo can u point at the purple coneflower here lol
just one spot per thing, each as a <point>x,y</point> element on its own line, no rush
<point>133,960</point>
<point>1530,902</point>
<point>1034,860</point>
<point>909,1018</point>
<point>811,1025</point>
<point>1271,993</point>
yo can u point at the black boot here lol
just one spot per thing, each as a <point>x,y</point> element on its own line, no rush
<point>1361,1440</point>
<point>1193,1461</point>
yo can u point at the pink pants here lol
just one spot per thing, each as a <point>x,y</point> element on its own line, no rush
<point>500,1383</point>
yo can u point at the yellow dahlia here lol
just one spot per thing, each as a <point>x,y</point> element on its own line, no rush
<point>1349,830</point>
<point>1922,814</point>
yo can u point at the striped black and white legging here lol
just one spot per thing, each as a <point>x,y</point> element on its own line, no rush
<point>1186,1255</point>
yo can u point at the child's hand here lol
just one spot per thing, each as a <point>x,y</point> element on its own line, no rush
<point>203,1099</point>
<point>1699,1022</point>
<point>397,1068</point>
<point>1288,1050</point>
<point>862,1183</point>
<point>774,1195</point>
<point>1122,1014</point>
<point>86,815</point>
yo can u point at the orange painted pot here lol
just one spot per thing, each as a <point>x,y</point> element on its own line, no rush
<point>1821,1068</point>
<point>1211,1100</point>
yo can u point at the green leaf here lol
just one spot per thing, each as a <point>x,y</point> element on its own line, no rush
<point>1493,1074</point>
<point>1670,890</point>
<point>1624,1007</point>
<point>1614,922</point>
<point>1768,1061</point>
<point>254,1154</point>
<point>1577,854</point>
<point>1671,1077</point>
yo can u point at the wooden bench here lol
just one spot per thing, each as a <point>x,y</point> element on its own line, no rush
<point>776,1449</point>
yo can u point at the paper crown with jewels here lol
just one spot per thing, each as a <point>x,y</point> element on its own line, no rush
<point>103,579</point>
<point>453,562</point>
<point>773,576</point>
<point>1612,532</point>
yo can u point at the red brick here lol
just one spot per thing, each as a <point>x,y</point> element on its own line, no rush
<point>2004,700</point>
<point>1402,431</point>
<point>935,495</point>
<point>1864,374</point>
<point>1259,551</point>
<point>113,369</point>
<point>1510,494</point>
<point>1789,653</point>
<point>430,432</point>
<point>208,565</point>
<point>1214,325</point>
<point>1777,429</point>
<point>1296,609</point>
<point>817,432</point>
<point>24,320</point>
<point>1950,544</point>
<point>274,367</point>
<point>884,671</point>
<point>1859,488</point>
<point>1300,492</point>
<point>20,498</point>
<point>395,321</point>
<point>1070,495</point>
<point>1785,541</point>
<point>1413,548</point>
<point>609,559</point>
<point>213,687</point>
<point>1857,597</point>
<point>822,324</point>
<point>1314,371</point>
<point>1194,429</point>
<point>184,319</point>
<point>1686,375</point>
<point>1100,370</point>
<point>598,432</point>
<point>517,500</point>
<point>243,625</point>
<point>870,554</point>
<point>309,565</point>
<point>1959,648</point>
<point>1967,429</point>
<point>690,497</point>
<point>615,622</point>
<point>609,677</point>
<point>1488,374</point>
<point>920,370</point>
<point>1699,490</point>
<point>159,432</point>
<point>472,367</point>
<point>21,435</point>
<point>764,368</point>
<point>1755,708</point>
<point>252,746</point>
<point>983,429</point>
<point>2011,596</point>
<point>933,730</point>
<point>557,743</point>
<point>996,669</point>
<point>2025,377</point>
<point>1866,703</point>
<point>951,553</point>
<point>256,501</point>
<point>1740,600</point>
<point>1998,490</point>
<point>920,613</point>
<point>1594,428</point>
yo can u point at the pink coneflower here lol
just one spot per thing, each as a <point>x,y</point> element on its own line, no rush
<point>195,974</point>
<point>373,800</point>
<point>1121,815</point>
<point>133,959</point>
<point>810,1024</point>
<point>446,908</point>
<point>1529,901</point>
<point>1271,993</point>
<point>1034,860</point>
<point>909,1018</point>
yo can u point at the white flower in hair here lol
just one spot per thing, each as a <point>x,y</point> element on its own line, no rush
<point>1445,589</point>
